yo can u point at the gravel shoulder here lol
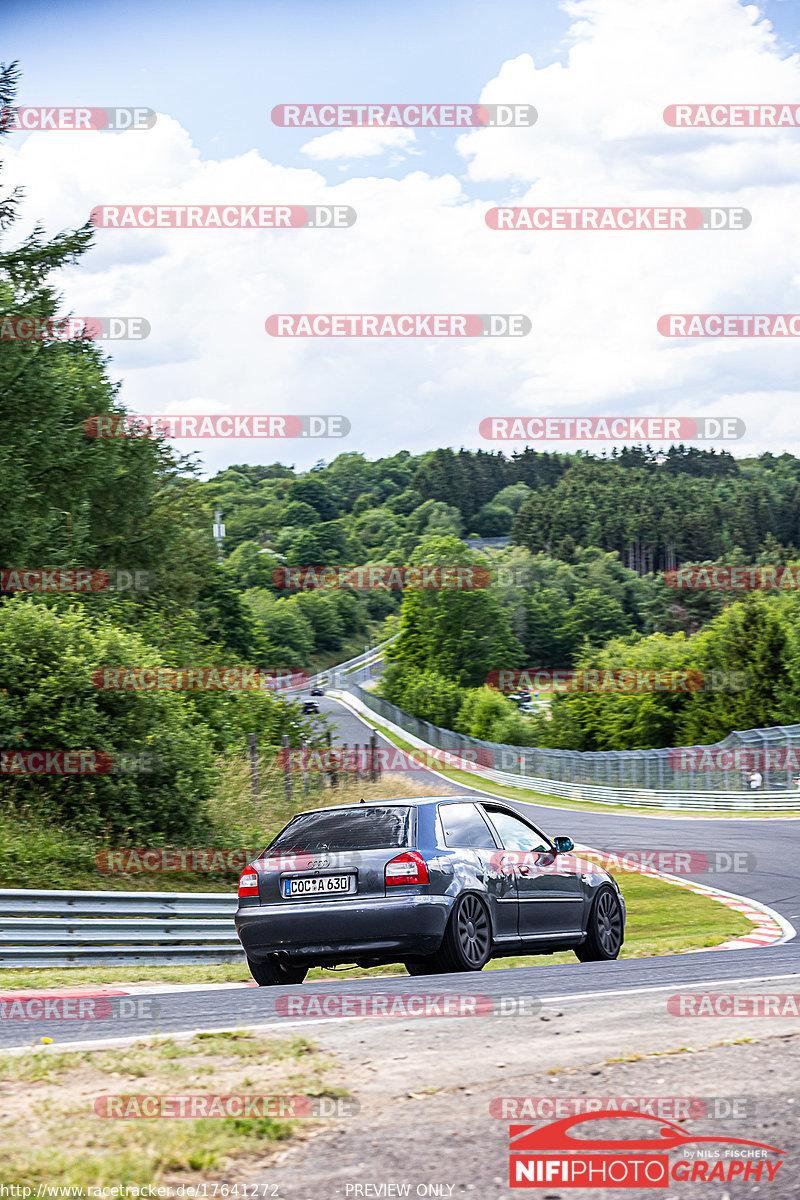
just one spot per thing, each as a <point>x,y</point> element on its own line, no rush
<point>426,1085</point>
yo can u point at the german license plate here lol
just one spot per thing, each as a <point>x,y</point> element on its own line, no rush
<point>319,885</point>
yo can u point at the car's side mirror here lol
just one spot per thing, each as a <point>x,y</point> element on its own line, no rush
<point>563,845</point>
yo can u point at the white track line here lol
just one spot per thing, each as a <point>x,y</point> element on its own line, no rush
<point>275,1027</point>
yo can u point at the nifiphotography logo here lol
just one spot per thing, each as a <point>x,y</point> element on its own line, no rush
<point>552,1154</point>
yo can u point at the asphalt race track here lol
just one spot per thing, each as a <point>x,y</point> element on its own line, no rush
<point>772,878</point>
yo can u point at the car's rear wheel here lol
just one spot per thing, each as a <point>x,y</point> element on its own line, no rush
<point>272,971</point>
<point>467,941</point>
<point>604,934</point>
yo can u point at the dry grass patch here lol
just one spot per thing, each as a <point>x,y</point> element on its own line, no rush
<point>51,1133</point>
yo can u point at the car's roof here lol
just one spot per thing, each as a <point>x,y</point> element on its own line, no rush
<point>392,801</point>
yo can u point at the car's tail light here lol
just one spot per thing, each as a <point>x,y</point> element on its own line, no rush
<point>248,882</point>
<point>406,868</point>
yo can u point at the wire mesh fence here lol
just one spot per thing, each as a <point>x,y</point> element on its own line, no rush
<point>749,760</point>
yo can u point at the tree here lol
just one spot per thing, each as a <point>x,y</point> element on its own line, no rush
<point>593,617</point>
<point>493,520</point>
<point>322,545</point>
<point>325,498</point>
<point>249,566</point>
<point>322,614</point>
<point>70,499</point>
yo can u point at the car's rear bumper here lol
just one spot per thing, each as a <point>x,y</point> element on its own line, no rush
<point>410,924</point>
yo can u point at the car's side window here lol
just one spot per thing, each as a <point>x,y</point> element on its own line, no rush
<point>515,834</point>
<point>464,827</point>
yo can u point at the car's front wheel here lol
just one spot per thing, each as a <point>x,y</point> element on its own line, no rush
<point>272,971</point>
<point>604,934</point>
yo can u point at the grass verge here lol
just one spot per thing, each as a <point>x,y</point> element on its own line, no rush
<point>52,1134</point>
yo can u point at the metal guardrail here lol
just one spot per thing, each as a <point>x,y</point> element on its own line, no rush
<point>641,798</point>
<point>76,929</point>
<point>354,669</point>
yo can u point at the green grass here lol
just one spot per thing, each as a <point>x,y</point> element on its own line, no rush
<point>475,780</point>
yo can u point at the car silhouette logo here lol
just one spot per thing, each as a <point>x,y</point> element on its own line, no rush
<point>556,1136</point>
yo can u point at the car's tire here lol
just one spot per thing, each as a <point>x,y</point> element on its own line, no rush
<point>467,942</point>
<point>271,972</point>
<point>605,931</point>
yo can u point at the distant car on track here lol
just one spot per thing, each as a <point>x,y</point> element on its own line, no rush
<point>318,691</point>
<point>439,884</point>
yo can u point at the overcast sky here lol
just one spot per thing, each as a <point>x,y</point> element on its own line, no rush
<point>599,72</point>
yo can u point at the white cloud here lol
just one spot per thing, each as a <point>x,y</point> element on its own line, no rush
<point>420,244</point>
<point>360,142</point>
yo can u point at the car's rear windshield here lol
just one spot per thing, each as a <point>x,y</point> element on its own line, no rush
<point>364,828</point>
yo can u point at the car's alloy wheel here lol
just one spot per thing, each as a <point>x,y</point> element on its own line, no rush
<point>273,971</point>
<point>604,934</point>
<point>468,938</point>
<point>466,945</point>
<point>472,928</point>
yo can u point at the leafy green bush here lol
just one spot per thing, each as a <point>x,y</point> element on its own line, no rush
<point>48,701</point>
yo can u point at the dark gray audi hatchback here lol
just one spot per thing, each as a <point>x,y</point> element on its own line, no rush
<point>439,884</point>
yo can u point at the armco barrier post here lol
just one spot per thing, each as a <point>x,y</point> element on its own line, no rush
<point>251,737</point>
<point>304,749</point>
<point>332,776</point>
<point>287,768</point>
